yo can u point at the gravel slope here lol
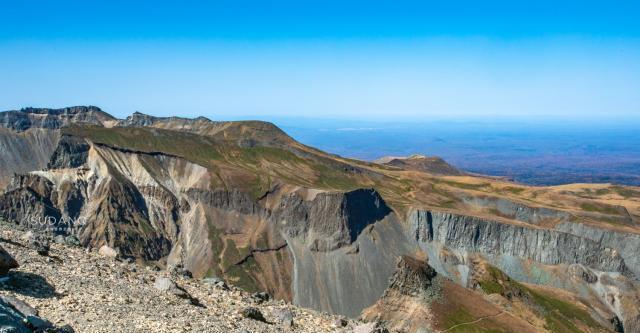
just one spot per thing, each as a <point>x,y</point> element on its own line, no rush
<point>93,293</point>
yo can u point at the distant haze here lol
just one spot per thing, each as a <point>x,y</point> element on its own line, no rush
<point>535,152</point>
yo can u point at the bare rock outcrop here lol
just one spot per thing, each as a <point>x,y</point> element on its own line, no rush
<point>331,220</point>
<point>7,262</point>
<point>542,245</point>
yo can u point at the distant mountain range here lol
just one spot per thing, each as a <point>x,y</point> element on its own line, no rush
<point>412,243</point>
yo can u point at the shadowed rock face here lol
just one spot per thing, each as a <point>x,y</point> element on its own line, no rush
<point>71,152</point>
<point>29,200</point>
<point>331,220</point>
<point>6,262</point>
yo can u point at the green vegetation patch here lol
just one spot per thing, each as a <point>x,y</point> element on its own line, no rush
<point>241,275</point>
<point>217,244</point>
<point>463,318</point>
<point>559,315</point>
<point>196,148</point>
<point>514,190</point>
<point>493,284</point>
<point>626,192</point>
<point>232,254</point>
<point>600,208</point>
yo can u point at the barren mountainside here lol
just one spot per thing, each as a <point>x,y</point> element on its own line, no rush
<point>410,243</point>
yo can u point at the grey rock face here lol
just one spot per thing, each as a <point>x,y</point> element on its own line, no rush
<point>351,278</point>
<point>6,262</point>
<point>232,200</point>
<point>542,245</point>
<point>29,202</point>
<point>25,151</point>
<point>412,277</point>
<point>518,211</point>
<point>331,220</point>
<point>71,152</point>
<point>626,244</point>
<point>52,118</point>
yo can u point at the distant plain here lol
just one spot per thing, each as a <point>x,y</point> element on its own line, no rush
<point>534,152</point>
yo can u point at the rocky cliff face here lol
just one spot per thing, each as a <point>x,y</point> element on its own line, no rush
<point>331,220</point>
<point>28,118</point>
<point>245,202</point>
<point>534,255</point>
<point>29,136</point>
<point>540,245</point>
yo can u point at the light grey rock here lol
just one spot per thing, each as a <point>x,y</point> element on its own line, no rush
<point>373,327</point>
<point>582,273</point>
<point>108,252</point>
<point>167,285</point>
<point>59,239</point>
<point>339,323</point>
<point>626,244</point>
<point>284,317</point>
<point>217,282</point>
<point>72,240</point>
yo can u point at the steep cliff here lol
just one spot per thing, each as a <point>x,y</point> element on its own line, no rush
<point>29,136</point>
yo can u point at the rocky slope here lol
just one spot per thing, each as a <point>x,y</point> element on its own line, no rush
<point>90,292</point>
<point>245,202</point>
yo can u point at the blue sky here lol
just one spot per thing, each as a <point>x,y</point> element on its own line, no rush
<point>334,59</point>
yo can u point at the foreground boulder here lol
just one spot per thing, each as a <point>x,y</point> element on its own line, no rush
<point>6,262</point>
<point>16,316</point>
<point>253,313</point>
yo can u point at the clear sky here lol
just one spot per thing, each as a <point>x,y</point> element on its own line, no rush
<point>395,60</point>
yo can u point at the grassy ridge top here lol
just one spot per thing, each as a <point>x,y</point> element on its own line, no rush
<point>252,156</point>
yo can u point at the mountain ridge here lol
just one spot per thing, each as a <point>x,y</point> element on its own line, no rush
<point>244,201</point>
